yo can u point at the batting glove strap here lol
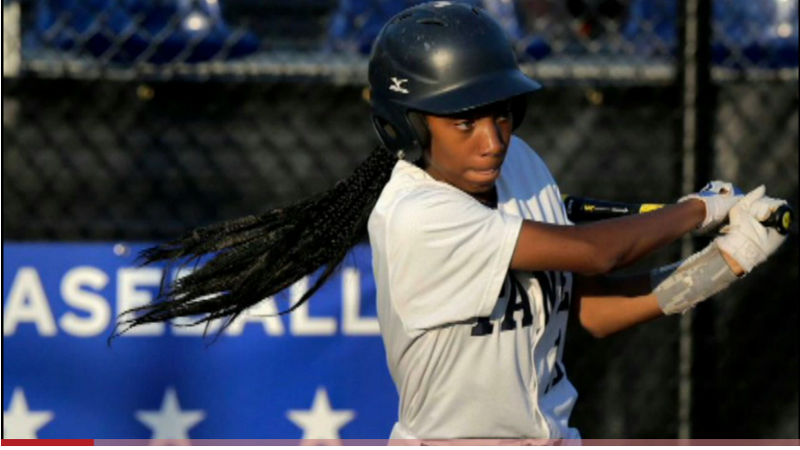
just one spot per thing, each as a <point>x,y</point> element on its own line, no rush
<point>681,286</point>
<point>719,197</point>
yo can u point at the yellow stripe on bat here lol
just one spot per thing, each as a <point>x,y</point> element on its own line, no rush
<point>648,207</point>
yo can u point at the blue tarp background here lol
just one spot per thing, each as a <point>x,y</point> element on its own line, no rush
<point>59,305</point>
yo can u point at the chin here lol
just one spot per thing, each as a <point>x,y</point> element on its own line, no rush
<point>479,187</point>
<point>483,183</point>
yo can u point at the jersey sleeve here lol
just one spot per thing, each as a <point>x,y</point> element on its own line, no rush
<point>448,257</point>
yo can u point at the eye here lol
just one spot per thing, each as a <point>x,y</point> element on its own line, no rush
<point>503,116</point>
<point>465,125</point>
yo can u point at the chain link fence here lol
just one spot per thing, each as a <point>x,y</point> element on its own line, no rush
<point>138,119</point>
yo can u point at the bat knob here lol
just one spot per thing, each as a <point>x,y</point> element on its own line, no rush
<point>782,219</point>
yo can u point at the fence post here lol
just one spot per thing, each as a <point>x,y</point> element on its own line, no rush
<point>696,399</point>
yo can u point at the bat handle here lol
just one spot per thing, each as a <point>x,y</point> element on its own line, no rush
<point>781,219</point>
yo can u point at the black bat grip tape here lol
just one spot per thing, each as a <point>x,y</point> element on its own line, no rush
<point>782,219</point>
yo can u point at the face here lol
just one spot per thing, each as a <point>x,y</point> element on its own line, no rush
<point>468,149</point>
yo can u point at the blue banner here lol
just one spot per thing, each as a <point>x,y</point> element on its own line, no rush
<point>317,373</point>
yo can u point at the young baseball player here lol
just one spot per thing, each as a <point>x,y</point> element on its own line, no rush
<point>476,264</point>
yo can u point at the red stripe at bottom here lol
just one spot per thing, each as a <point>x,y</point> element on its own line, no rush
<point>54,442</point>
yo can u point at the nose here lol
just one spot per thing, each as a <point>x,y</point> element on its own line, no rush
<point>491,136</point>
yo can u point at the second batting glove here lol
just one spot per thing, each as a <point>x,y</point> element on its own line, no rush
<point>746,240</point>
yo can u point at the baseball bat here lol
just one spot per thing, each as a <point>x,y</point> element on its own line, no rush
<point>582,209</point>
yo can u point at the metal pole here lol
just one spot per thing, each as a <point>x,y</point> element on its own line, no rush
<point>696,328</point>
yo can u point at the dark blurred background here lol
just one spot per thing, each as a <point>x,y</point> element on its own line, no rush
<point>133,120</point>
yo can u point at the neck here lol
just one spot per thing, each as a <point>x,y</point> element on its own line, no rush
<point>488,198</point>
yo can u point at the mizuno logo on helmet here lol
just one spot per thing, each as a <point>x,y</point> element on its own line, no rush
<point>397,85</point>
<point>441,4</point>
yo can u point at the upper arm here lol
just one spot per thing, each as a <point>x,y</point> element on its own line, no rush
<point>448,258</point>
<point>543,246</point>
<point>547,242</point>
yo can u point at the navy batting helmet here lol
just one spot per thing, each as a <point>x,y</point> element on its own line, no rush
<point>439,58</point>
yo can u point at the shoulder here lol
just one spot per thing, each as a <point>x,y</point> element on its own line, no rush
<point>521,155</point>
<point>414,207</point>
<point>412,196</point>
<point>524,168</point>
<point>429,205</point>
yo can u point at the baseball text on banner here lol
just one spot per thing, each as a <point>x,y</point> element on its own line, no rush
<point>318,373</point>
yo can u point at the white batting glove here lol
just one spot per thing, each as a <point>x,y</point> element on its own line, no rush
<point>719,197</point>
<point>746,240</point>
<point>764,207</point>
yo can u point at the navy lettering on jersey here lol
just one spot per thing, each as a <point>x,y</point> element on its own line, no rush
<point>553,289</point>
<point>548,292</point>
<point>517,292</point>
<point>559,371</point>
<point>566,295</point>
<point>483,328</point>
<point>517,300</point>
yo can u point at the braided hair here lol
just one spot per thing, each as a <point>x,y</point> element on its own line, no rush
<point>256,257</point>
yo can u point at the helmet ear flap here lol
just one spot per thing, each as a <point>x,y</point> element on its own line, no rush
<point>408,137</point>
<point>386,132</point>
<point>420,127</point>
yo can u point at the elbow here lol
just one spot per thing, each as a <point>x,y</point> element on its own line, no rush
<point>599,263</point>
<point>591,319</point>
<point>600,334</point>
<point>594,330</point>
<point>602,249</point>
<point>605,257</point>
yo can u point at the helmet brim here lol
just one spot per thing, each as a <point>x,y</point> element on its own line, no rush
<point>491,88</point>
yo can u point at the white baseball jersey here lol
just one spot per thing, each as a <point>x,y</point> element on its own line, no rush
<point>473,347</point>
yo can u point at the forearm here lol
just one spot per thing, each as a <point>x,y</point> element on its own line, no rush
<point>602,247</point>
<point>609,304</point>
<point>606,305</point>
<point>626,240</point>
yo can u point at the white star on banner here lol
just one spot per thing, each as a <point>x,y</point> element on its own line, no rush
<point>321,421</point>
<point>170,422</point>
<point>20,422</point>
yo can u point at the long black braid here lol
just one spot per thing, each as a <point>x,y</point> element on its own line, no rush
<point>259,256</point>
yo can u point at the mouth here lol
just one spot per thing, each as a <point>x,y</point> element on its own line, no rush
<point>487,172</point>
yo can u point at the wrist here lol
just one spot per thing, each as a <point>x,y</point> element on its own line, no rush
<point>680,286</point>
<point>735,267</point>
<point>699,211</point>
